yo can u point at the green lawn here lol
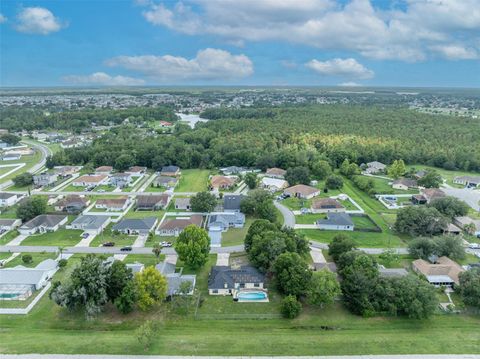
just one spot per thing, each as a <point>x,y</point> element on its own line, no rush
<point>9,236</point>
<point>447,175</point>
<point>194,180</point>
<point>236,236</point>
<point>382,187</point>
<point>151,188</point>
<point>104,188</point>
<point>361,239</point>
<point>37,257</point>
<point>404,261</point>
<point>60,238</point>
<point>72,188</point>
<point>363,222</point>
<point>108,235</point>
<point>146,259</point>
<point>144,214</point>
<point>29,161</point>
<point>309,218</point>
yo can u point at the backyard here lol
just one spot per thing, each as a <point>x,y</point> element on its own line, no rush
<point>236,236</point>
<point>193,180</point>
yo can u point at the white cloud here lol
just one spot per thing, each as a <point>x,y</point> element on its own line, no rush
<point>2,19</point>
<point>349,84</point>
<point>103,79</point>
<point>347,68</point>
<point>37,20</point>
<point>456,52</point>
<point>406,33</point>
<point>208,64</point>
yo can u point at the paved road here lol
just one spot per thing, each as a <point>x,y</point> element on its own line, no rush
<point>93,193</point>
<point>469,196</point>
<point>106,356</point>
<point>366,250</point>
<point>288,216</point>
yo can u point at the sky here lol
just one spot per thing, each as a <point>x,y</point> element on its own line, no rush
<point>405,43</point>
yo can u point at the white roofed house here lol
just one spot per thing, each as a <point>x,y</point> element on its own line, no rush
<point>183,204</point>
<point>275,173</point>
<point>274,184</point>
<point>90,223</point>
<point>121,180</point>
<point>8,199</point>
<point>43,223</point>
<point>173,226</point>
<point>90,180</point>
<point>375,167</point>
<point>468,181</point>
<point>44,179</point>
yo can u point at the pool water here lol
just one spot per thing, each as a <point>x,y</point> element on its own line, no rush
<point>9,295</point>
<point>252,295</point>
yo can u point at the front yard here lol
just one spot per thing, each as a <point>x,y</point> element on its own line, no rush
<point>60,238</point>
<point>108,235</point>
<point>37,257</point>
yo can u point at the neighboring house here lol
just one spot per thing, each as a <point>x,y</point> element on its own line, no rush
<point>70,144</point>
<point>26,280</point>
<point>153,202</point>
<point>452,229</point>
<point>418,199</point>
<point>136,171</point>
<point>336,222</point>
<point>275,173</point>
<point>171,171</point>
<point>103,170</point>
<point>89,180</point>
<point>65,171</point>
<point>233,170</point>
<point>113,204</point>
<point>325,205</point>
<point>231,202</point>
<point>165,124</point>
<point>432,193</point>
<point>72,204</point>
<point>226,220</point>
<point>136,225</point>
<point>183,204</point>
<point>302,191</point>
<point>443,272</point>
<point>8,199</point>
<point>218,182</point>
<point>44,179</point>
<point>175,225</point>
<point>464,221</point>
<point>9,224</point>
<point>404,184</point>
<point>43,223</point>
<point>420,174</point>
<point>121,180</point>
<point>165,181</point>
<point>274,184</point>
<point>11,157</point>
<point>375,167</point>
<point>225,280</point>
<point>175,278</point>
<point>468,181</point>
<point>90,223</point>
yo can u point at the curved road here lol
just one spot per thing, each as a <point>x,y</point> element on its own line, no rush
<point>288,216</point>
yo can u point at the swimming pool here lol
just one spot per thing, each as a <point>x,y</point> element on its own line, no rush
<point>252,296</point>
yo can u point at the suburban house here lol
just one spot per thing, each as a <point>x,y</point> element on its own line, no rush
<point>231,202</point>
<point>274,184</point>
<point>226,220</point>
<point>44,179</point>
<point>175,225</point>
<point>468,181</point>
<point>89,180</point>
<point>225,280</point>
<point>375,167</point>
<point>72,204</point>
<point>420,174</point>
<point>136,225</point>
<point>103,170</point>
<point>452,229</point>
<point>418,199</point>
<point>404,184</point>
<point>8,199</point>
<point>171,171</point>
<point>65,171</point>
<point>153,202</point>
<point>72,143</point>
<point>175,278</point>
<point>302,191</point>
<point>165,181</point>
<point>233,170</point>
<point>136,171</point>
<point>113,204</point>
<point>165,124</point>
<point>9,224</point>
<point>336,222</point>
<point>121,180</point>
<point>183,204</point>
<point>43,223</point>
<point>11,156</point>
<point>19,283</point>
<point>275,173</point>
<point>94,224</point>
<point>465,222</point>
<point>432,193</point>
<point>442,272</point>
<point>218,182</point>
<point>325,205</point>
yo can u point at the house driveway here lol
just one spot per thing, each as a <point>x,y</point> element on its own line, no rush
<point>317,255</point>
<point>223,259</point>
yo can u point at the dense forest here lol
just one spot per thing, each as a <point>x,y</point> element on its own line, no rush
<point>294,136</point>
<point>16,118</point>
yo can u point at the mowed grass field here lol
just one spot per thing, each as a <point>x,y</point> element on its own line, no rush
<point>193,180</point>
<point>62,238</point>
<point>328,331</point>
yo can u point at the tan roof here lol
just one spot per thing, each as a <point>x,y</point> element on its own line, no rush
<point>322,203</point>
<point>302,189</point>
<point>276,171</point>
<point>432,193</point>
<point>91,178</point>
<point>181,222</point>
<point>104,169</point>
<point>222,181</point>
<point>137,169</point>
<point>443,266</point>
<point>112,202</point>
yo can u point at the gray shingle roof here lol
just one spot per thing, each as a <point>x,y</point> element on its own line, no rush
<point>221,275</point>
<point>46,220</point>
<point>337,219</point>
<point>231,202</point>
<point>90,221</point>
<point>136,224</point>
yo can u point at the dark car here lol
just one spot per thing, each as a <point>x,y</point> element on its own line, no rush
<point>85,235</point>
<point>108,244</point>
<point>126,249</point>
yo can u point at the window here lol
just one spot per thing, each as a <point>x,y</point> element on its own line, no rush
<point>256,285</point>
<point>215,291</point>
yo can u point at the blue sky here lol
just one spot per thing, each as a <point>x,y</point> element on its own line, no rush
<point>431,43</point>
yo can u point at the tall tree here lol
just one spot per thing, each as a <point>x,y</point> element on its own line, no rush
<point>151,288</point>
<point>397,169</point>
<point>203,202</point>
<point>31,207</point>
<point>292,274</point>
<point>323,288</point>
<point>193,246</point>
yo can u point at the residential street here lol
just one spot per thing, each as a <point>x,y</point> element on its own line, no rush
<point>288,216</point>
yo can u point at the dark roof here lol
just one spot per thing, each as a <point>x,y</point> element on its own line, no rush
<point>337,219</point>
<point>47,220</point>
<point>326,203</point>
<point>232,201</point>
<point>221,275</point>
<point>179,223</point>
<point>136,224</point>
<point>4,195</point>
<point>170,169</point>
<point>145,201</point>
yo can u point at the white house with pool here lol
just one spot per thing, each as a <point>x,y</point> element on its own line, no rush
<point>245,284</point>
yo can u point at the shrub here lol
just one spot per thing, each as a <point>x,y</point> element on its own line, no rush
<point>291,307</point>
<point>27,258</point>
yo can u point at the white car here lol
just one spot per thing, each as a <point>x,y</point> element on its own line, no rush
<point>166,244</point>
<point>474,246</point>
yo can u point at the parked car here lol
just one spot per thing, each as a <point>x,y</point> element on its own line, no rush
<point>126,249</point>
<point>474,246</point>
<point>108,244</point>
<point>166,244</point>
<point>85,235</point>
